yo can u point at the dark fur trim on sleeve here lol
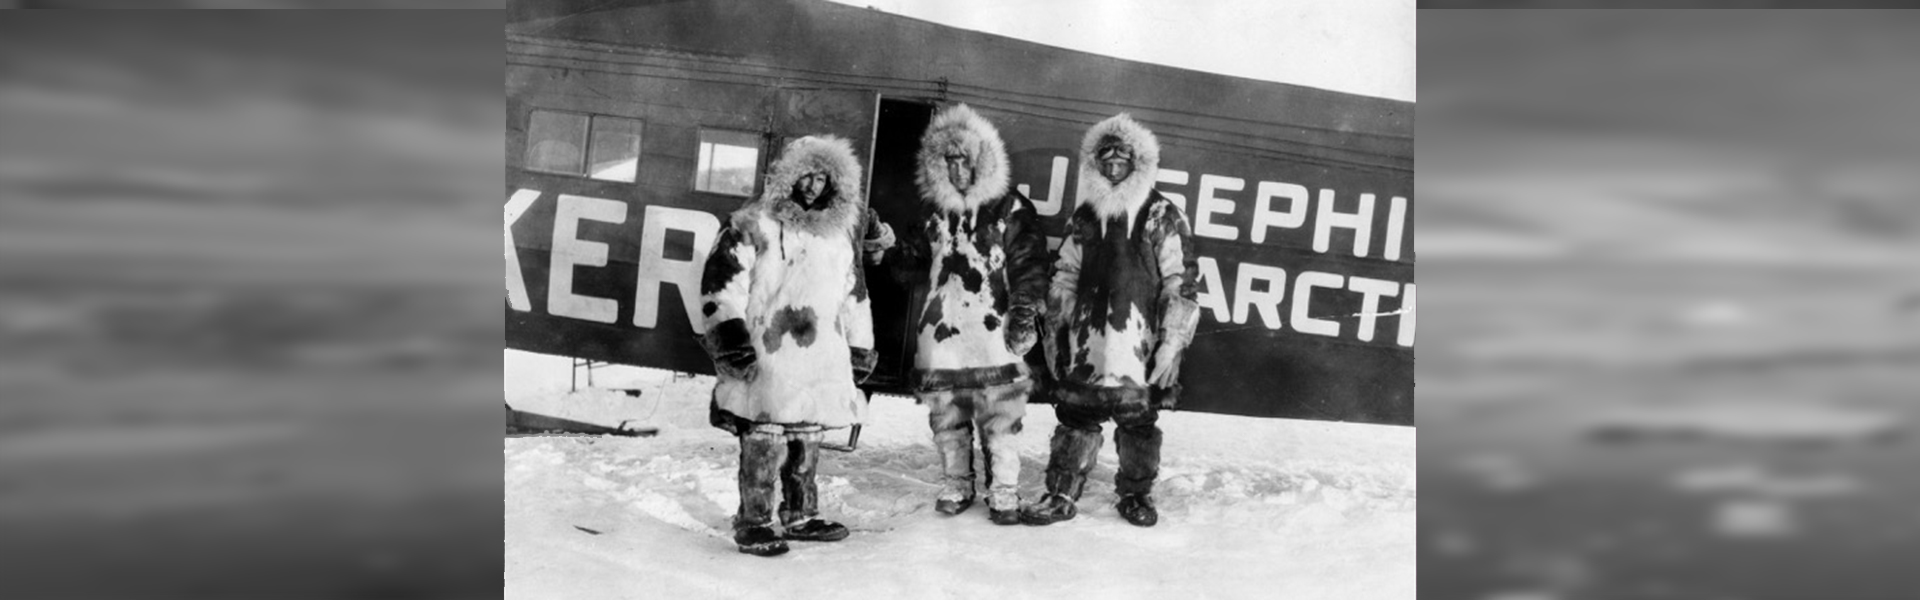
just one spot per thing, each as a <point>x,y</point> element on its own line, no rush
<point>721,265</point>
<point>1029,266</point>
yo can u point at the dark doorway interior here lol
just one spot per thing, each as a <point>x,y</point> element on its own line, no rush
<point>892,194</point>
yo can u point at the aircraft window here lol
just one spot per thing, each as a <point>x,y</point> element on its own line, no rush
<point>615,151</point>
<point>728,162</point>
<point>555,142</point>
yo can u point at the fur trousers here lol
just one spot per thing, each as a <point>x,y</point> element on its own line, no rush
<point>996,412</point>
<point>788,458</point>
<point>1076,445</point>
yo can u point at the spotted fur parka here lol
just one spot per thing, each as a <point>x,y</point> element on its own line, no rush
<point>784,300</point>
<point>984,258</point>
<point>1124,284</point>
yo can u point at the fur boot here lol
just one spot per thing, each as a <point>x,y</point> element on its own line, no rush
<point>1073,454</point>
<point>761,456</point>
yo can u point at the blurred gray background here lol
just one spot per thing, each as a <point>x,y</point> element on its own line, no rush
<point>249,304</point>
<point>1673,265</point>
<point>1715,4</point>
<point>270,4</point>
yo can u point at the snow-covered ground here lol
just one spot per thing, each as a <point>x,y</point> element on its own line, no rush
<point>1250,508</point>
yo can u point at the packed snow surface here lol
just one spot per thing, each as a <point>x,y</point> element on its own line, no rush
<point>1250,508</point>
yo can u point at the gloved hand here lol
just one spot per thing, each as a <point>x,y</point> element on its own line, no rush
<point>1020,331</point>
<point>1180,316</point>
<point>878,239</point>
<point>732,348</point>
<point>863,361</point>
<point>1163,387</point>
<point>1166,365</point>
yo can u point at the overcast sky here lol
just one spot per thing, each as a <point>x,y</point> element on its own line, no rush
<point>1358,46</point>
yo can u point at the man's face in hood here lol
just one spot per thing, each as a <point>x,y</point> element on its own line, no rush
<point>1116,161</point>
<point>808,190</point>
<point>960,171</point>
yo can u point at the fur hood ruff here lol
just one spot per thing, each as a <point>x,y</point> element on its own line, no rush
<point>1110,200</point>
<point>958,130</point>
<point>828,154</point>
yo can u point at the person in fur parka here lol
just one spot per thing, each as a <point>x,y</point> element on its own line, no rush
<point>786,322</point>
<point>1121,311</point>
<point>985,263</point>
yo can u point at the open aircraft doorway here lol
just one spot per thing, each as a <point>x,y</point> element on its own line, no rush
<point>894,196</point>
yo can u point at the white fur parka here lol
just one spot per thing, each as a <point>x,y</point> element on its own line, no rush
<point>784,300</point>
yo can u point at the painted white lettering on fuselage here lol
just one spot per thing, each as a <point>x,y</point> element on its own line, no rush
<point>1221,208</point>
<point>570,252</point>
<point>1257,291</point>
<point>1249,292</point>
<point>655,268</point>
<point>1056,197</point>
<point>516,282</point>
<point>1275,205</point>
<point>1208,203</point>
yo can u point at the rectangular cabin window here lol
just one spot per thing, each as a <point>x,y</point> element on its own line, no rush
<point>556,142</point>
<point>615,151</point>
<point>597,146</point>
<point>729,161</point>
